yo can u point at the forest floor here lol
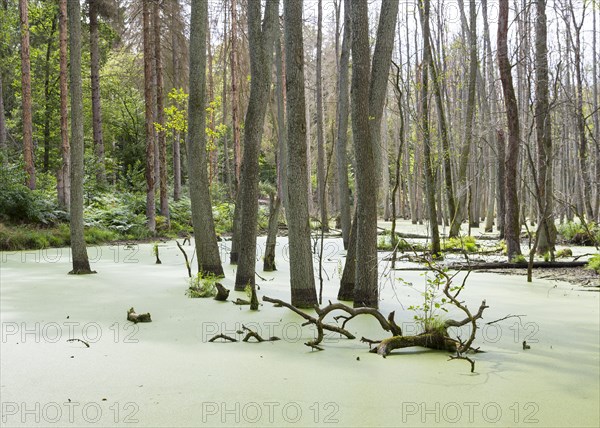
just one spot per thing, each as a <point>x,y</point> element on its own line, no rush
<point>167,373</point>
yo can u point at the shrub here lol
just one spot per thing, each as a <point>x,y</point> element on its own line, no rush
<point>594,263</point>
<point>466,243</point>
<point>202,286</point>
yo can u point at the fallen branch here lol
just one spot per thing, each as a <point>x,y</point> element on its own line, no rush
<point>136,318</point>
<point>501,265</point>
<point>224,337</point>
<point>240,302</point>
<point>505,318</point>
<point>255,335</point>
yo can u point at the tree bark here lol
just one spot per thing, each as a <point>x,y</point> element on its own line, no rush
<point>342,128</point>
<point>28,154</point>
<point>302,278</point>
<point>261,42</point>
<point>512,226</point>
<point>207,249</point>
<point>149,112</point>
<point>160,116</point>
<point>64,172</point>
<point>99,165</point>
<point>3,143</point>
<point>81,264</point>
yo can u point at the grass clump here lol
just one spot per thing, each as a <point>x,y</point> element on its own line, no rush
<point>466,243</point>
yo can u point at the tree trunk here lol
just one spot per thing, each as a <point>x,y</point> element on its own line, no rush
<point>237,148</point>
<point>207,249</point>
<point>176,138</point>
<point>28,154</point>
<point>160,116</point>
<point>149,101</point>
<point>261,42</point>
<point>342,128</point>
<point>321,155</point>
<point>99,165</point>
<point>429,169</point>
<point>545,194</point>
<point>47,106</point>
<point>302,278</point>
<point>459,214</point>
<point>274,208</point>
<point>64,172</point>
<point>493,164</point>
<point>81,264</point>
<point>3,143</point>
<point>512,226</point>
<point>366,290</point>
<point>282,131</point>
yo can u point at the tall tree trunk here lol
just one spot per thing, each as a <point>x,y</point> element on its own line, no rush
<point>512,226</point>
<point>226,159</point>
<point>99,165</point>
<point>321,155</point>
<point>342,128</point>
<point>377,79</point>
<point>493,164</point>
<point>149,100</point>
<point>547,231</point>
<point>28,154</point>
<point>81,264</point>
<point>64,172</point>
<point>429,169</point>
<point>160,115</point>
<point>302,278</point>
<point>176,84</point>
<point>596,114</point>
<point>237,148</point>
<point>207,249</point>
<point>459,214</point>
<point>47,106</point>
<point>261,41</point>
<point>282,158</point>
<point>579,114</point>
<point>3,140</point>
<point>366,290</point>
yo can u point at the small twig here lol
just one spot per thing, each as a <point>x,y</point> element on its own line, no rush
<point>505,318</point>
<point>87,345</point>
<point>187,261</point>
<point>462,357</point>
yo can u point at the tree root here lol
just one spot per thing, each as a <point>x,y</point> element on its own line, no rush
<point>87,345</point>
<point>224,337</point>
<point>136,318</point>
<point>252,334</point>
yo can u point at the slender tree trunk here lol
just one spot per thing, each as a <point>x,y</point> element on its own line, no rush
<point>342,128</point>
<point>176,138</point>
<point>493,163</point>
<point>261,42</point>
<point>149,100</point>
<point>64,172</point>
<point>160,116</point>
<point>512,226</point>
<point>207,249</point>
<point>302,278</point>
<point>429,169</point>
<point>237,148</point>
<point>321,155</point>
<point>47,106</point>
<point>81,264</point>
<point>3,141</point>
<point>458,216</point>
<point>99,165</point>
<point>225,106</point>
<point>597,113</point>
<point>547,231</point>
<point>282,134</point>
<point>28,154</point>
